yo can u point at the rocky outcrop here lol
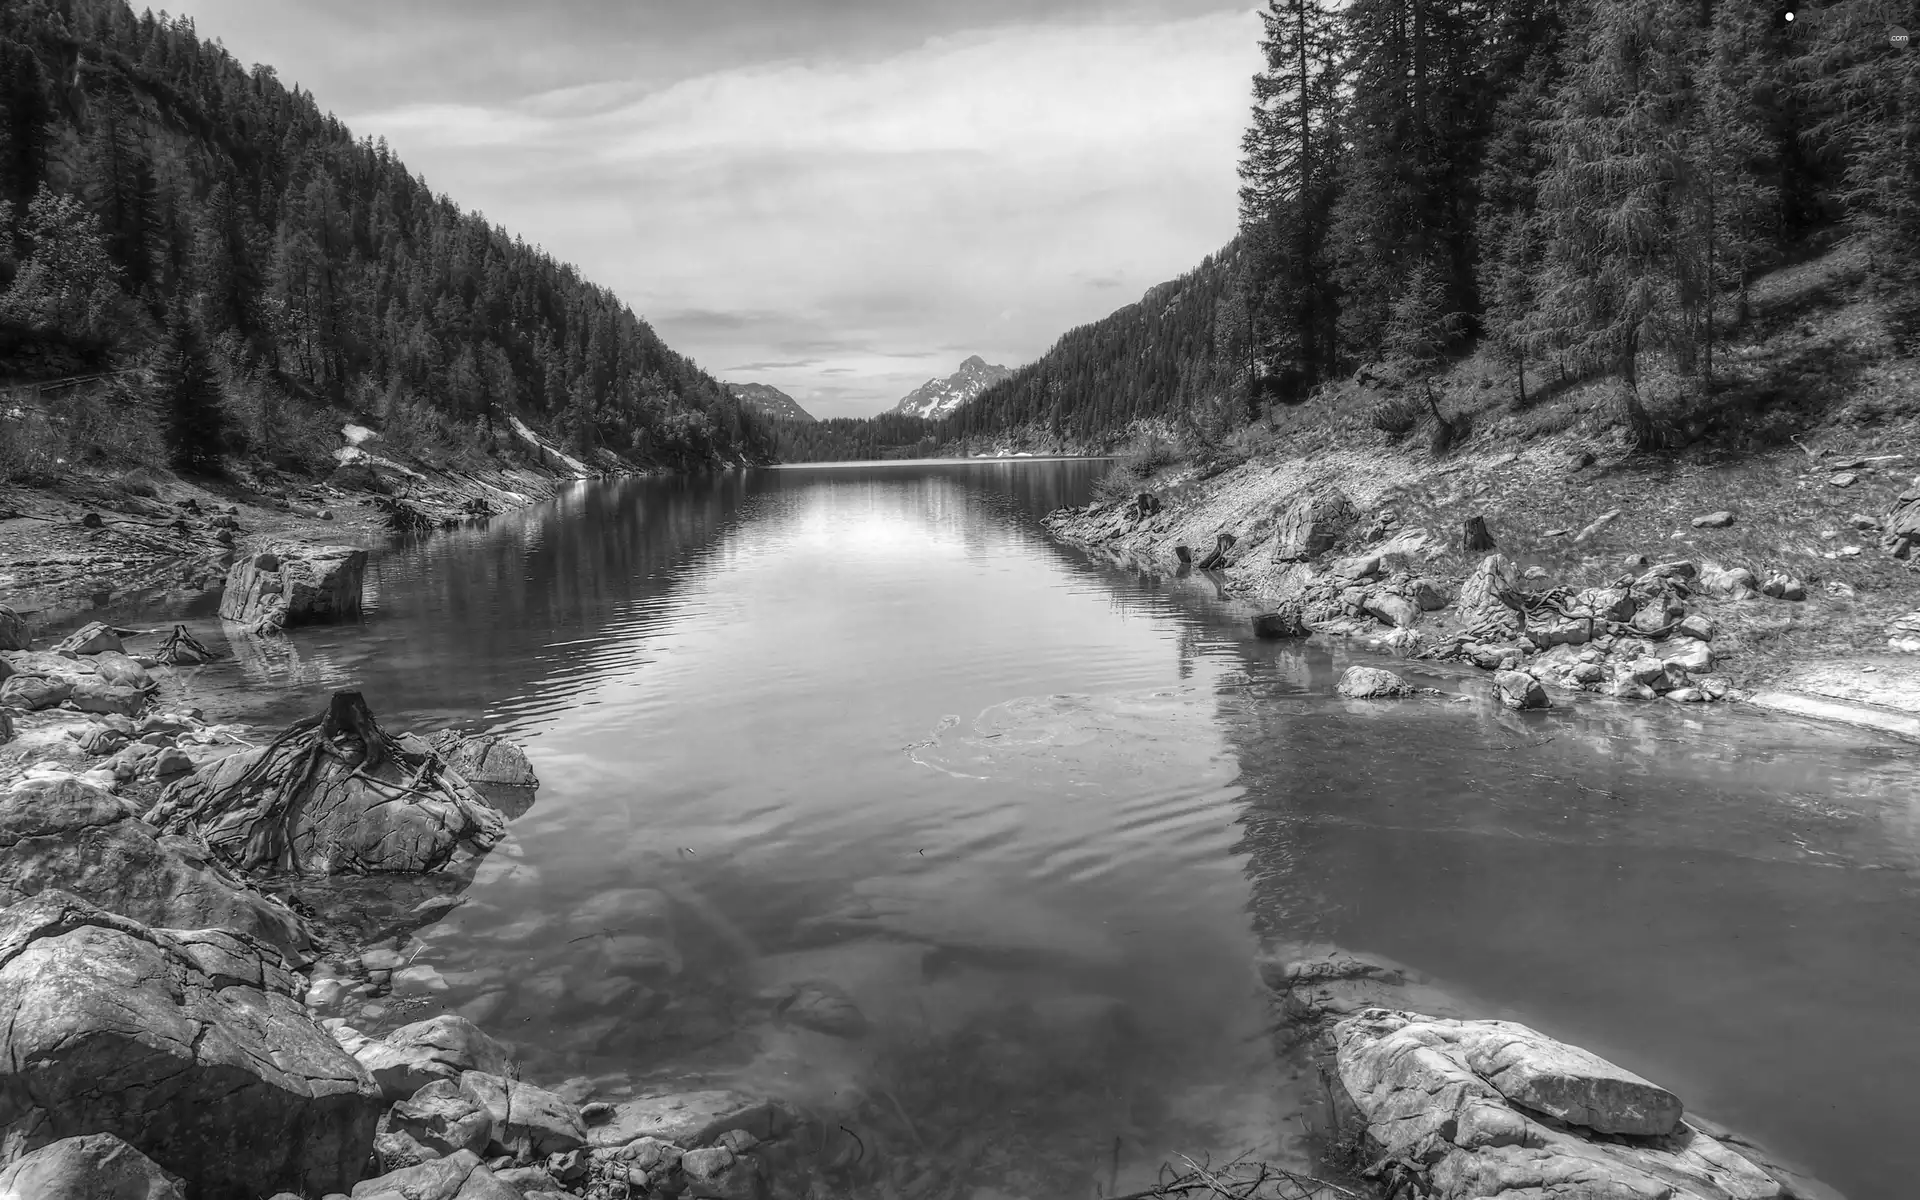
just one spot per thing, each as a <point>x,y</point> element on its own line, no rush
<point>332,795</point>
<point>97,1166</point>
<point>69,835</point>
<point>294,583</point>
<point>1312,525</point>
<point>189,1046</point>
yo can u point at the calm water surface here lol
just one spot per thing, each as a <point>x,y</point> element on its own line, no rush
<point>1035,814</point>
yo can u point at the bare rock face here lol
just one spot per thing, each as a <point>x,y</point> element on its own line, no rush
<point>188,1046</point>
<point>333,795</point>
<point>1312,525</point>
<point>292,583</point>
<point>1491,1107</point>
<point>69,835</point>
<point>97,1166</point>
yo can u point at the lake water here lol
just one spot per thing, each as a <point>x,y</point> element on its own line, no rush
<point>1034,815</point>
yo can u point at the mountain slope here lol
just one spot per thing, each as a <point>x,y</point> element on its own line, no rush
<point>154,183</point>
<point>938,398</point>
<point>1178,351</point>
<point>770,401</point>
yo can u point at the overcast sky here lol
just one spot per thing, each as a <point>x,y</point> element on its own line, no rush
<point>841,198</point>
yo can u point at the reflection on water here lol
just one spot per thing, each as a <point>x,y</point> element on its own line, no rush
<point>821,736</point>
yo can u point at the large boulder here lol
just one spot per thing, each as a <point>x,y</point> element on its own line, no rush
<point>1517,689</point>
<point>189,1046</point>
<point>334,795</point>
<point>1311,525</point>
<point>485,759</point>
<point>293,583</point>
<point>1489,599</point>
<point>34,692</point>
<point>1484,1108</point>
<point>689,1119</point>
<point>527,1122</point>
<point>91,638</point>
<point>1372,683</point>
<point>97,1166</point>
<point>70,835</point>
<point>443,1119</point>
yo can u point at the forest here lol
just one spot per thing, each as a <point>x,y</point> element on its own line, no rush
<point>1573,187</point>
<point>201,229</point>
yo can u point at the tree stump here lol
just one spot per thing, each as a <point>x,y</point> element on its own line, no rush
<point>1218,559</point>
<point>1474,538</point>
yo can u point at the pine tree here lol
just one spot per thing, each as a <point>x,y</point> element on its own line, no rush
<point>196,424</point>
<point>1289,175</point>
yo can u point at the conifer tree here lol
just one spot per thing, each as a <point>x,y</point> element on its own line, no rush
<point>196,424</point>
<point>1289,170</point>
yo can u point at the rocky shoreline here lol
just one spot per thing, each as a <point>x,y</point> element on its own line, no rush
<point>1321,546</point>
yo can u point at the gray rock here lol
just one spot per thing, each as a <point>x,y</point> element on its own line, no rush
<point>101,740</point>
<point>91,638</point>
<point>528,1122</point>
<point>460,1176</point>
<point>120,670</point>
<point>443,1118</point>
<point>1456,1097</point>
<point>1429,595</point>
<point>1784,587</point>
<point>486,759</point>
<point>1724,582</point>
<point>13,631</point>
<point>1687,695</point>
<point>1389,609</point>
<point>292,583</point>
<point>411,1057</point>
<point>1489,599</point>
<point>823,1007</point>
<point>1372,683</point>
<point>96,1166</point>
<point>1517,689</point>
<point>189,1046</point>
<point>69,835</point>
<point>1588,673</point>
<point>34,692</point>
<point>1312,525</point>
<point>1689,655</point>
<point>92,694</point>
<point>720,1174</point>
<point>1695,625</point>
<point>1559,631</point>
<point>1713,520</point>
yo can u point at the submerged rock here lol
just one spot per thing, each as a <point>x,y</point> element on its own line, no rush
<point>823,1007</point>
<point>335,794</point>
<point>293,583</point>
<point>690,1119</point>
<point>189,1046</point>
<point>73,836</point>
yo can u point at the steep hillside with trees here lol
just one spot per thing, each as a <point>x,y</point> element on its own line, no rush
<point>164,207</point>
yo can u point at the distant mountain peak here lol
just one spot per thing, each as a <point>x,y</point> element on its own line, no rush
<point>769,400</point>
<point>938,397</point>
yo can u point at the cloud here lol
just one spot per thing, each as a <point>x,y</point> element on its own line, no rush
<point>875,218</point>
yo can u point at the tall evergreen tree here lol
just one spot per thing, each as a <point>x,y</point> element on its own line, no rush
<point>1289,171</point>
<point>196,423</point>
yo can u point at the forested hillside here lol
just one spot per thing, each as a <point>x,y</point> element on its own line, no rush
<point>1575,189</point>
<point>163,206</point>
<point>1578,184</point>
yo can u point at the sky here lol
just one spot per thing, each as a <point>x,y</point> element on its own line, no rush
<point>841,198</point>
